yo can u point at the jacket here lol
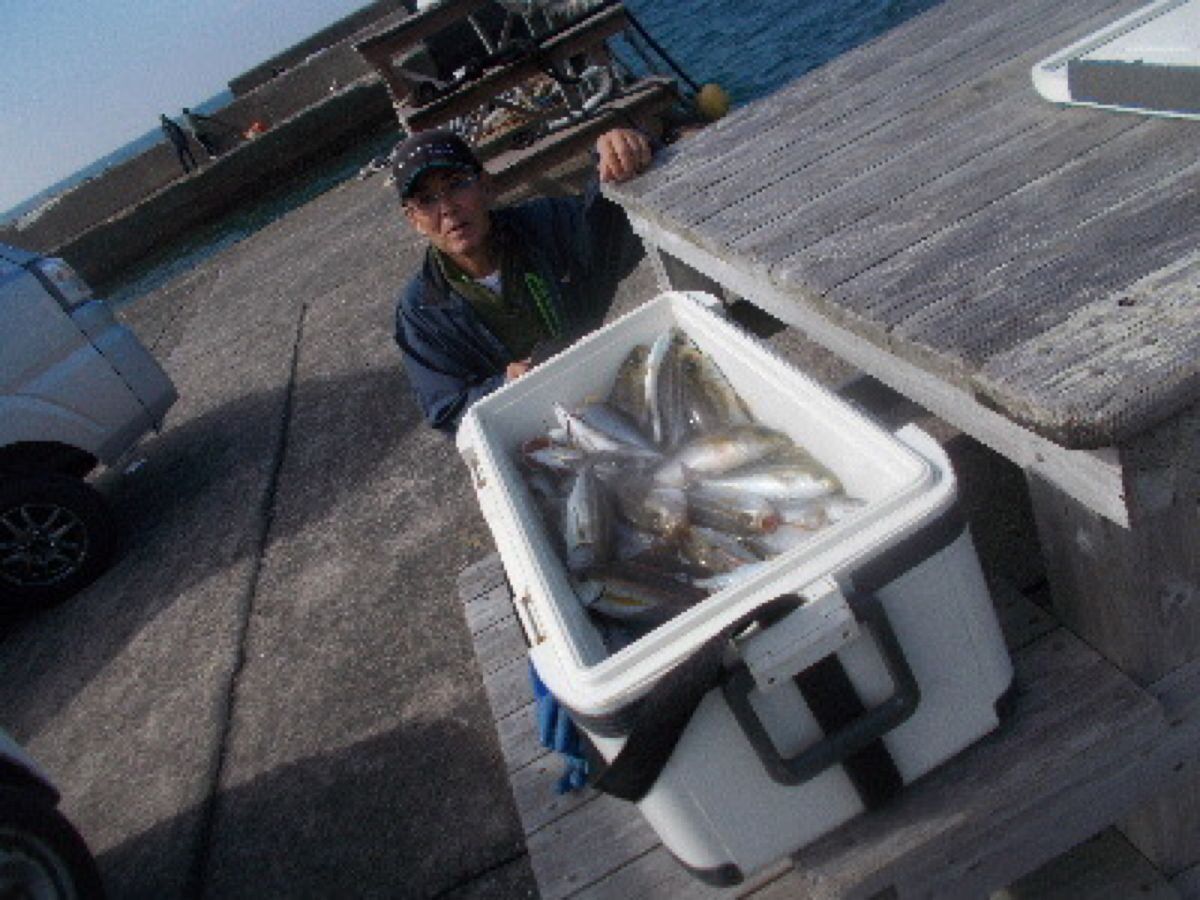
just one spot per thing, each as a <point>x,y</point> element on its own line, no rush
<point>581,246</point>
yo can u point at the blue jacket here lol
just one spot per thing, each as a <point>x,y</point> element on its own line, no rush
<point>581,246</point>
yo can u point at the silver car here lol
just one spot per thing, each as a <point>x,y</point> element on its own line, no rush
<point>78,390</point>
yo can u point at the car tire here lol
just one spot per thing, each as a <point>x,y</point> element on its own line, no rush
<point>56,537</point>
<point>41,853</point>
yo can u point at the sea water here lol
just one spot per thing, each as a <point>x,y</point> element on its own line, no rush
<point>751,48</point>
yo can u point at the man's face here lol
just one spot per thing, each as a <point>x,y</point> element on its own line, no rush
<point>450,208</point>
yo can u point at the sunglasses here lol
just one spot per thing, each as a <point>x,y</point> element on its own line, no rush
<point>428,202</point>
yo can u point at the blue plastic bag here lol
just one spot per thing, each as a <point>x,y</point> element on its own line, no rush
<point>557,732</point>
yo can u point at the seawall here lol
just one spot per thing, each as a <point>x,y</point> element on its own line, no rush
<point>322,79</point>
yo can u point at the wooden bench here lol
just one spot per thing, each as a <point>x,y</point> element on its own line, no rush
<point>639,103</point>
<point>1027,273</point>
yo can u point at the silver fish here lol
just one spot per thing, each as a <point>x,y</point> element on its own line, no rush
<point>714,551</point>
<point>654,507</point>
<point>615,424</point>
<point>777,481</point>
<point>710,400</point>
<point>588,524</point>
<point>654,365</point>
<point>734,512</point>
<point>543,453</point>
<point>814,514</point>
<point>591,436</point>
<point>781,540</point>
<point>735,577</point>
<point>628,392</point>
<point>639,594</point>
<point>671,395</point>
<point>714,454</point>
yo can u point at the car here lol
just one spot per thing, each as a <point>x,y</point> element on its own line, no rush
<point>42,855</point>
<point>78,391</point>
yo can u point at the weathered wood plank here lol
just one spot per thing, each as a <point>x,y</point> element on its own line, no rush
<point>1065,764</point>
<point>538,803</point>
<point>480,577</point>
<point>969,96</point>
<point>1105,867</point>
<point>499,644</point>
<point>1132,593</point>
<point>1109,369</point>
<point>508,687</point>
<point>519,742</point>
<point>1167,829</point>
<point>657,874</point>
<point>967,188</point>
<point>489,608</point>
<point>920,68</point>
<point>577,850</point>
<point>853,70</point>
<point>943,274</point>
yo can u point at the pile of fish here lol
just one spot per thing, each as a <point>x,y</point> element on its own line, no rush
<point>668,490</point>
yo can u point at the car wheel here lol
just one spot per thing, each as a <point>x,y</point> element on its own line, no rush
<point>56,537</point>
<point>42,856</point>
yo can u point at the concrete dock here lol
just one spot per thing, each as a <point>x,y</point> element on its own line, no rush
<point>273,692</point>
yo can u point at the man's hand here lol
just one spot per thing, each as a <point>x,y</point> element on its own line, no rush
<point>515,370</point>
<point>623,153</point>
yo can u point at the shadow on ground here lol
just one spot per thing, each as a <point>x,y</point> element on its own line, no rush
<point>195,508</point>
<point>379,811</point>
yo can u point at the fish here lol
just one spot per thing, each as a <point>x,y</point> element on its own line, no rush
<point>734,512</point>
<point>615,423</point>
<point>655,360</point>
<point>651,506</point>
<point>781,540</point>
<point>664,389</point>
<point>640,594</point>
<point>714,454</point>
<point>588,522</point>
<point>710,401</point>
<point>543,453</point>
<point>779,481</point>
<point>818,513</point>
<point>628,392</point>
<point>714,551</point>
<point>735,577</point>
<point>672,403</point>
<point>591,433</point>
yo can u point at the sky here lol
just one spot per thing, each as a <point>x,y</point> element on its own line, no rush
<point>81,79</point>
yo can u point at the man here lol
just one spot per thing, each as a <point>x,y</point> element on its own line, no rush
<point>178,138</point>
<point>499,287</point>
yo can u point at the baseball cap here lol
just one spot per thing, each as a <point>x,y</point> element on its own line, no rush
<point>427,150</point>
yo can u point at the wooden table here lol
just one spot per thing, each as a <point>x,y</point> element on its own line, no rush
<point>1026,272</point>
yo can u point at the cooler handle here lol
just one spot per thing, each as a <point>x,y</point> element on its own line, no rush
<point>834,748</point>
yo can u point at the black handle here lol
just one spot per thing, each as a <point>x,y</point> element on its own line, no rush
<point>851,738</point>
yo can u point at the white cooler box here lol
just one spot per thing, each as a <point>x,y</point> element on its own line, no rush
<point>893,663</point>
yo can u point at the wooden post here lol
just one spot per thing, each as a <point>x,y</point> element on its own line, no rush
<point>1134,594</point>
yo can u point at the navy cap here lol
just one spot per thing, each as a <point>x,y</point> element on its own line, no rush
<point>427,150</point>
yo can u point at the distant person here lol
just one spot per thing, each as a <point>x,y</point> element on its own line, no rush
<point>498,288</point>
<point>203,129</point>
<point>178,137</point>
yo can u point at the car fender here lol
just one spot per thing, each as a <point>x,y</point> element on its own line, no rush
<point>35,420</point>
